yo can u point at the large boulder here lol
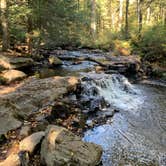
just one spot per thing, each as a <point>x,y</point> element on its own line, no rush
<point>12,75</point>
<point>29,96</point>
<point>12,62</point>
<point>61,147</point>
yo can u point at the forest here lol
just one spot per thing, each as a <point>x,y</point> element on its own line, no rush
<point>138,25</point>
<point>82,82</point>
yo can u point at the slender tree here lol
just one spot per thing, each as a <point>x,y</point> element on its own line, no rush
<point>126,20</point>
<point>93,19</point>
<point>4,24</point>
<point>139,11</point>
<point>29,28</point>
<point>120,14</point>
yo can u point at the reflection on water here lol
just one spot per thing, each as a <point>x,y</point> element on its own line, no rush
<point>69,68</point>
<point>135,138</point>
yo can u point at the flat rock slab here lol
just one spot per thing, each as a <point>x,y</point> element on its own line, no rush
<point>30,96</point>
<point>12,62</point>
<point>61,147</point>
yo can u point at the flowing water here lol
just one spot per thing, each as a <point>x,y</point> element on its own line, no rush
<point>137,134</point>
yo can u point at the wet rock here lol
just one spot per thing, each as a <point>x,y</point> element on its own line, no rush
<point>112,72</point>
<point>77,63</point>
<point>12,160</point>
<point>54,61</point>
<point>61,147</point>
<point>12,75</point>
<point>11,62</point>
<point>93,104</point>
<point>106,114</point>
<point>30,96</point>
<point>88,95</point>
<point>90,123</point>
<point>29,143</point>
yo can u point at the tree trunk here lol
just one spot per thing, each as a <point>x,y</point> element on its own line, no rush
<point>126,20</point>
<point>164,17</point>
<point>93,19</point>
<point>4,24</point>
<point>29,30</point>
<point>120,14</point>
<point>148,15</point>
<point>139,9</point>
<point>78,5</point>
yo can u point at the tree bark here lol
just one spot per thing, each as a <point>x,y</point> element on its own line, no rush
<point>29,30</point>
<point>126,20</point>
<point>4,24</point>
<point>139,9</point>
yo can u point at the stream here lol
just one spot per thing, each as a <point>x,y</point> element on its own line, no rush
<point>136,134</point>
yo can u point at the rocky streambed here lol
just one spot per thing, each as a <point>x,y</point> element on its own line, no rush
<point>78,108</point>
<point>136,134</point>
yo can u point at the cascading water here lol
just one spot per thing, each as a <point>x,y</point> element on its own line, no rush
<point>135,137</point>
<point>116,90</point>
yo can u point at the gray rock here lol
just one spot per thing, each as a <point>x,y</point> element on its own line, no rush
<point>61,147</point>
<point>29,143</point>
<point>12,75</point>
<point>11,62</point>
<point>12,160</point>
<point>19,102</point>
<point>7,118</point>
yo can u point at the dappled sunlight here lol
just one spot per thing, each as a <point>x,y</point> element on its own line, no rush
<point>4,61</point>
<point>75,68</point>
<point>9,89</point>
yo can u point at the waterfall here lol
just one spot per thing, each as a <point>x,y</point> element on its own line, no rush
<point>115,89</point>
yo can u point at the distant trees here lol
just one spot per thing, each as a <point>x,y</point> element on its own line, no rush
<point>77,22</point>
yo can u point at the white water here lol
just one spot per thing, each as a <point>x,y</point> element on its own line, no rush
<point>118,91</point>
<point>137,135</point>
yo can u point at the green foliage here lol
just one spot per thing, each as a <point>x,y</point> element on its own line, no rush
<point>152,44</point>
<point>68,23</point>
